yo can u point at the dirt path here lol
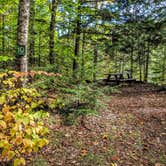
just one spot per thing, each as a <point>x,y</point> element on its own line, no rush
<point>130,131</point>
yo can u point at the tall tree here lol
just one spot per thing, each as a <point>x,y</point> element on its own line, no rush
<point>32,32</point>
<point>22,35</point>
<point>77,40</point>
<point>52,31</point>
<point>3,36</point>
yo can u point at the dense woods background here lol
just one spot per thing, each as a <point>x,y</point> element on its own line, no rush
<point>87,39</point>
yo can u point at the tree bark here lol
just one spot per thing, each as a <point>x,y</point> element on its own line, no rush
<point>77,42</point>
<point>22,33</point>
<point>3,34</point>
<point>83,58</point>
<point>140,68</point>
<point>3,39</point>
<point>32,32</point>
<point>52,31</point>
<point>39,48</point>
<point>131,62</point>
<point>95,50</point>
<point>164,67</point>
<point>147,64</point>
<point>95,62</point>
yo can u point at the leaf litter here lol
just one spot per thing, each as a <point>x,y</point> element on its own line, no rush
<point>130,132</point>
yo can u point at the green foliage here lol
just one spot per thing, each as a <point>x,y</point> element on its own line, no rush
<point>22,128</point>
<point>45,83</point>
<point>108,90</point>
<point>123,42</point>
<point>78,100</point>
<point>5,58</point>
<point>72,100</point>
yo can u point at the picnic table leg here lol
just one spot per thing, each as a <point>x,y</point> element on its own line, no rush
<point>117,80</point>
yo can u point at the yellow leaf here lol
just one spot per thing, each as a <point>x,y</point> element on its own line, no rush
<point>32,123</point>
<point>105,136</point>
<point>11,154</point>
<point>2,75</point>
<point>3,143</point>
<point>3,124</point>
<point>19,161</point>
<point>28,131</point>
<point>8,117</point>
<point>2,136</point>
<point>27,143</point>
<point>29,150</point>
<point>5,109</point>
<point>84,152</point>
<point>114,164</point>
<point>2,99</point>
<point>19,140</point>
<point>38,129</point>
<point>43,142</point>
<point>29,100</point>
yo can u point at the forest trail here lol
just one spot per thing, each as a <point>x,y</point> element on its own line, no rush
<point>129,131</point>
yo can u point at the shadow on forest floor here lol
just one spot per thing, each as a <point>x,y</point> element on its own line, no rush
<point>130,132</point>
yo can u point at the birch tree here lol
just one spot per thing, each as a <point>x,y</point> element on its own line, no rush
<point>22,35</point>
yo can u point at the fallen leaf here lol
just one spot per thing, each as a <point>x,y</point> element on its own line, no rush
<point>95,143</point>
<point>105,136</point>
<point>157,164</point>
<point>114,158</point>
<point>84,152</point>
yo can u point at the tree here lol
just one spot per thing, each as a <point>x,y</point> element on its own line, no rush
<point>89,35</point>
<point>32,32</point>
<point>22,35</point>
<point>52,31</point>
<point>77,40</point>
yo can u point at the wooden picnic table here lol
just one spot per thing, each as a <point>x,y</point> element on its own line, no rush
<point>119,77</point>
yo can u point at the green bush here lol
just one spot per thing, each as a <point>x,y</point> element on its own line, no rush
<point>78,100</point>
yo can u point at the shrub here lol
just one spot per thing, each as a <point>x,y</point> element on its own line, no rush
<point>21,120</point>
<point>78,100</point>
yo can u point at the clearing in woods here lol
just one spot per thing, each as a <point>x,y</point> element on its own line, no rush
<point>131,131</point>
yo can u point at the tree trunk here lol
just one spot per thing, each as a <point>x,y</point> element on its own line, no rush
<point>95,62</point>
<point>122,64</point>
<point>131,63</point>
<point>140,68</point>
<point>39,48</point>
<point>83,58</point>
<point>77,42</point>
<point>3,39</point>
<point>164,67</point>
<point>3,35</point>
<point>22,34</point>
<point>52,31</point>
<point>147,65</point>
<point>32,32</point>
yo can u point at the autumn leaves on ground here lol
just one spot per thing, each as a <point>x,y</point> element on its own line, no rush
<point>129,131</point>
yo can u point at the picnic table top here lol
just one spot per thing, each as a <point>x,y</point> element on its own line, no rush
<point>114,74</point>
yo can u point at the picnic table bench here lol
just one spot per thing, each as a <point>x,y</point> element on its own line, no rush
<point>118,78</point>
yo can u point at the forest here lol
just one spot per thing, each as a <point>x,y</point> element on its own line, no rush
<point>83,82</point>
